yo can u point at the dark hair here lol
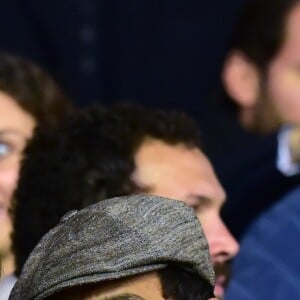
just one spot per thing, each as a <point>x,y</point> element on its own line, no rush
<point>177,284</point>
<point>33,89</point>
<point>260,31</point>
<point>90,157</point>
<point>180,284</point>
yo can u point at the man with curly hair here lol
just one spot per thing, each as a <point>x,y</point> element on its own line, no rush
<point>122,150</point>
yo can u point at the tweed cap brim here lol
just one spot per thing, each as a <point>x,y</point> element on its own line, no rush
<point>112,239</point>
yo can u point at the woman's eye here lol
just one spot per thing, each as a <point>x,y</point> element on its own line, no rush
<point>5,150</point>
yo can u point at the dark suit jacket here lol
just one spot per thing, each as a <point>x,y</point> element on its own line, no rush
<point>246,166</point>
<point>159,52</point>
<point>268,265</point>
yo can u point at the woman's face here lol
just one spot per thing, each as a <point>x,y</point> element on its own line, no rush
<point>16,127</point>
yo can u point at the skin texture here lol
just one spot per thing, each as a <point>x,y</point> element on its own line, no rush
<point>187,175</point>
<point>16,128</point>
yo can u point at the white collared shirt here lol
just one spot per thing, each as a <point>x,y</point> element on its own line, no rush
<point>284,161</point>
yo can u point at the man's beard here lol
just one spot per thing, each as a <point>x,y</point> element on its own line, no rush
<point>265,117</point>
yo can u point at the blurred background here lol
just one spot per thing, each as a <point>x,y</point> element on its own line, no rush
<point>160,53</point>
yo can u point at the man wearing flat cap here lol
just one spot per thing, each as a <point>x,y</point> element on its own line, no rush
<point>135,247</point>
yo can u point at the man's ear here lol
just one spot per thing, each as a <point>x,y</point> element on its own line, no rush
<point>241,80</point>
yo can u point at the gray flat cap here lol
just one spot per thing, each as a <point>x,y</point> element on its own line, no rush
<point>112,239</point>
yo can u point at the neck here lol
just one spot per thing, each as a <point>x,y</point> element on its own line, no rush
<point>7,265</point>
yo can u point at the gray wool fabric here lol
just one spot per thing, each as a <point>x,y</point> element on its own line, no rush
<point>112,239</point>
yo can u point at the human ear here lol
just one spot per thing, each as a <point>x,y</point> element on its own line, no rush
<point>241,79</point>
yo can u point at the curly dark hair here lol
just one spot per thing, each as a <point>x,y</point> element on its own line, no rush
<point>33,90</point>
<point>90,157</point>
<point>177,284</point>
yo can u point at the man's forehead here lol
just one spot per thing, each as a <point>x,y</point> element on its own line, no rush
<point>159,153</point>
<point>177,171</point>
<point>158,164</point>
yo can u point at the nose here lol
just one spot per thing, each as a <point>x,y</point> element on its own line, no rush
<point>230,244</point>
<point>222,244</point>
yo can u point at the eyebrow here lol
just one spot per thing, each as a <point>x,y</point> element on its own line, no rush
<point>199,200</point>
<point>203,200</point>
<point>14,132</point>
